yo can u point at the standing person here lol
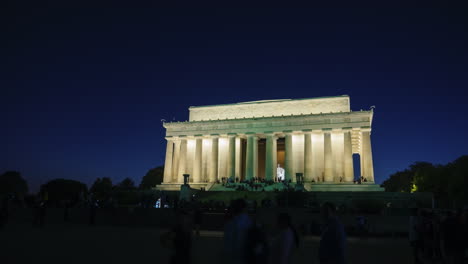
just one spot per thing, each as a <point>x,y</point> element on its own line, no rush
<point>235,232</point>
<point>179,239</point>
<point>333,239</point>
<point>257,250</point>
<point>198,218</point>
<point>285,242</point>
<point>414,234</point>
<point>4,213</point>
<point>92,212</point>
<point>42,213</point>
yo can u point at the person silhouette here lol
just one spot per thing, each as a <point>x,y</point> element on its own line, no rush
<point>332,247</point>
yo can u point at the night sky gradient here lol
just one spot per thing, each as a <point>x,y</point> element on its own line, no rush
<point>84,88</point>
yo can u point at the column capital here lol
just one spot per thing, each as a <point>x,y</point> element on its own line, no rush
<point>232,134</point>
<point>183,136</point>
<point>287,131</point>
<point>214,135</point>
<point>250,134</point>
<point>365,129</point>
<point>198,135</point>
<point>169,138</point>
<point>347,129</point>
<point>307,131</point>
<point>327,130</point>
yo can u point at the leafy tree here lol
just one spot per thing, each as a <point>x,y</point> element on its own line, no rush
<point>447,182</point>
<point>62,189</point>
<point>126,185</point>
<point>12,182</point>
<point>400,181</point>
<point>458,184</point>
<point>102,188</point>
<point>152,178</point>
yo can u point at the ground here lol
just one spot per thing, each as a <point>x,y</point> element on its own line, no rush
<point>109,244</point>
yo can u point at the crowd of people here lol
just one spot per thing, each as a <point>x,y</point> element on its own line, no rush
<point>247,241</point>
<point>438,236</point>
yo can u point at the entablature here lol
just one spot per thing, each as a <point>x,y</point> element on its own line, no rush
<point>259,125</point>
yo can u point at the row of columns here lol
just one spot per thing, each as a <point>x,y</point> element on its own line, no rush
<point>335,165</point>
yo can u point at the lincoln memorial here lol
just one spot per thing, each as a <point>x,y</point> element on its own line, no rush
<point>312,137</point>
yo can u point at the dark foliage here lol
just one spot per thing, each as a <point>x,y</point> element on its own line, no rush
<point>126,185</point>
<point>444,181</point>
<point>11,182</point>
<point>152,178</point>
<point>102,188</point>
<point>63,190</point>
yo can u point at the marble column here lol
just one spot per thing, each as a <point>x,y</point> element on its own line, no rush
<point>238,157</point>
<point>249,161</point>
<point>270,156</point>
<point>214,157</point>
<point>338,155</point>
<point>231,168</point>
<point>197,165</point>
<point>328,158</point>
<point>348,156</point>
<point>288,156</point>
<point>255,156</point>
<point>367,151</point>
<point>361,161</point>
<point>175,162</point>
<point>182,159</point>
<point>168,162</point>
<point>308,169</point>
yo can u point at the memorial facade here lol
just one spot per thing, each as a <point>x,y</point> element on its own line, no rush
<point>316,137</point>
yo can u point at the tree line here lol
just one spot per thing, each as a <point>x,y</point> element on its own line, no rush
<point>448,182</point>
<point>13,184</point>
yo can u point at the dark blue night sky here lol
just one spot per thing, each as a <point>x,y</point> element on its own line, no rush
<point>83,89</point>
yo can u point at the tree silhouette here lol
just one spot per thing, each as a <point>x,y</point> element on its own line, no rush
<point>12,182</point>
<point>102,188</point>
<point>446,182</point>
<point>152,178</point>
<point>63,190</point>
<point>126,185</point>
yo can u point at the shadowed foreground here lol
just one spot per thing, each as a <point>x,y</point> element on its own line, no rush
<point>82,244</point>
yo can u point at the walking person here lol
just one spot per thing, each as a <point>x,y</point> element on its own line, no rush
<point>332,247</point>
<point>286,240</point>
<point>179,239</point>
<point>235,233</point>
<point>414,234</point>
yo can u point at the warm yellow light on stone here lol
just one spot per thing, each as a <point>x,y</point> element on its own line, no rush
<point>316,137</point>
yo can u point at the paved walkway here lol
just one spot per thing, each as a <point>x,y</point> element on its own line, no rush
<point>83,244</point>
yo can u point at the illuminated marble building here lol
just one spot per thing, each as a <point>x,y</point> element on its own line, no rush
<point>313,136</point>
